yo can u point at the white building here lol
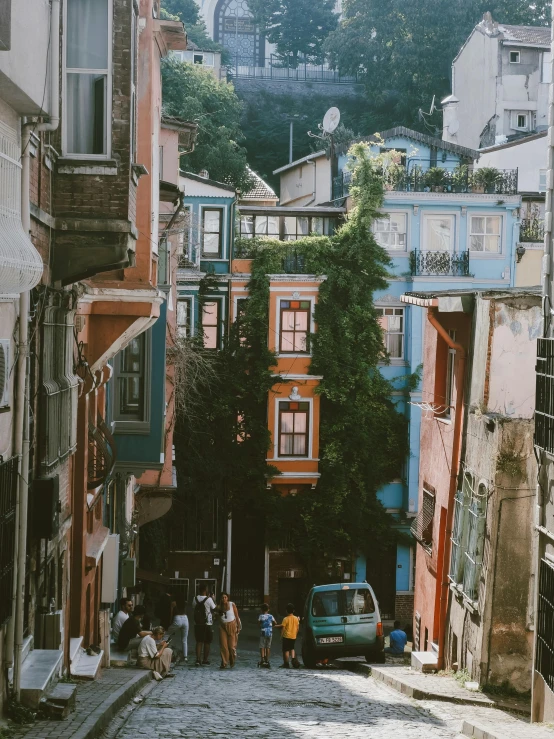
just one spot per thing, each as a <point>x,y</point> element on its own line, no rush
<point>500,83</point>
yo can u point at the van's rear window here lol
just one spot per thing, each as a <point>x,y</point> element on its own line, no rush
<point>342,603</point>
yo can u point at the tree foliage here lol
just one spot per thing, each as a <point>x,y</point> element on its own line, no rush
<point>222,449</point>
<point>188,13</point>
<point>193,93</point>
<point>404,48</point>
<point>298,28</point>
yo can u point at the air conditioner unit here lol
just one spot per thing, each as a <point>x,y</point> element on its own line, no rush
<point>4,373</point>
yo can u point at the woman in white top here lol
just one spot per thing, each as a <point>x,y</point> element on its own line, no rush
<point>156,657</point>
<point>229,627</point>
<point>180,628</point>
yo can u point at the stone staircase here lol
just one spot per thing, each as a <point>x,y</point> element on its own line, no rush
<point>41,670</point>
<point>82,665</point>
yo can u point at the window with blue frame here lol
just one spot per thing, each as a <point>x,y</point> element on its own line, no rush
<point>132,384</point>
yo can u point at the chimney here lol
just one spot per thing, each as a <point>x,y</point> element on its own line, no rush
<point>489,24</point>
<point>450,122</point>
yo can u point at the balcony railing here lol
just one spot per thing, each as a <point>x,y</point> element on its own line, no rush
<point>531,230</point>
<point>428,263</point>
<point>101,453</point>
<point>544,399</point>
<point>448,181</point>
<point>275,68</point>
<point>293,261</point>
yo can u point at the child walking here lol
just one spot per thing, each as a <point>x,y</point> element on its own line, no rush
<point>290,626</point>
<point>267,622</point>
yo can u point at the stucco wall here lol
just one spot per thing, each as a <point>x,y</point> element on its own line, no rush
<point>528,157</point>
<point>307,184</point>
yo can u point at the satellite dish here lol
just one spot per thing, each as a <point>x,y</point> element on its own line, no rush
<point>454,127</point>
<point>331,120</point>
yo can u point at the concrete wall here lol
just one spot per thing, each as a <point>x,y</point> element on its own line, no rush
<point>24,69</point>
<point>529,157</point>
<point>307,184</point>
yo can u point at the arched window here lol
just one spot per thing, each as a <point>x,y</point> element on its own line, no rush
<point>236,30</point>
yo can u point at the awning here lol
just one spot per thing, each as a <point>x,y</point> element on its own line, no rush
<point>20,263</point>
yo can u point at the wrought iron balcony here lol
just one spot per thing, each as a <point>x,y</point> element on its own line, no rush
<point>438,180</point>
<point>428,263</point>
<point>544,400</point>
<point>101,453</point>
<point>531,230</point>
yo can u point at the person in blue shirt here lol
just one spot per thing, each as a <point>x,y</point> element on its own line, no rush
<point>398,640</point>
<point>267,622</point>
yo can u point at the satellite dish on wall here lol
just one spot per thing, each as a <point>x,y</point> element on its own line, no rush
<point>454,127</point>
<point>331,120</point>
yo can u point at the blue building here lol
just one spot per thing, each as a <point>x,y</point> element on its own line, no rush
<point>445,227</point>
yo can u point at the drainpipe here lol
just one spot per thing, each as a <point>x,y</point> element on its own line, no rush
<point>455,463</point>
<point>22,441</point>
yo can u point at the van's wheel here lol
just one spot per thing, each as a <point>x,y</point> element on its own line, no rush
<point>308,656</point>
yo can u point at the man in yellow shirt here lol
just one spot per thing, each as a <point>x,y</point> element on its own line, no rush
<point>290,626</point>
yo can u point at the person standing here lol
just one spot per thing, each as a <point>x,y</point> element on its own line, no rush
<point>155,657</point>
<point>203,608</point>
<point>229,628</point>
<point>180,627</point>
<point>267,622</point>
<point>125,608</point>
<point>290,626</point>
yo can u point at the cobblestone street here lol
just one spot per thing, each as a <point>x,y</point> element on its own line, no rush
<point>248,702</point>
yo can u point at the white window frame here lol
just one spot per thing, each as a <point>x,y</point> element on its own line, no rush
<point>543,180</point>
<point>503,239</point>
<point>450,379</point>
<point>184,248</point>
<point>292,355</point>
<point>221,315</point>
<point>189,301</point>
<point>485,254</point>
<point>276,455</point>
<point>379,307</point>
<point>385,217</point>
<point>515,124</point>
<point>109,91</point>
<point>546,63</point>
<point>454,241</point>
<point>515,61</point>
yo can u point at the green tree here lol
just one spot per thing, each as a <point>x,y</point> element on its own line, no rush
<point>296,27</point>
<point>188,13</point>
<point>193,93</point>
<point>404,49</point>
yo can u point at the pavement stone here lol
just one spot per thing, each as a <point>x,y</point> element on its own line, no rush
<point>96,704</point>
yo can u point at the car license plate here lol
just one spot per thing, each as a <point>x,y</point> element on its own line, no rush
<point>330,640</point>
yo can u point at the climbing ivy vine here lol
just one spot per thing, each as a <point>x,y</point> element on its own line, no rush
<point>363,437</point>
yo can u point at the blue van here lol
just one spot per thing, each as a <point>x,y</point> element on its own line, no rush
<point>342,621</point>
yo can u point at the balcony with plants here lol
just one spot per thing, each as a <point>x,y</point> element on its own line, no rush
<point>460,179</point>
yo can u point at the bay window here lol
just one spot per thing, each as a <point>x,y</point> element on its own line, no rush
<point>87,78</point>
<point>132,373</point>
<point>294,429</point>
<point>485,234</point>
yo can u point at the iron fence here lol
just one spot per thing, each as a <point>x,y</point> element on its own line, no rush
<point>438,180</point>
<point>453,264</point>
<point>8,487</point>
<point>247,597</point>
<point>544,399</point>
<point>531,230</point>
<point>544,658</point>
<point>277,68</point>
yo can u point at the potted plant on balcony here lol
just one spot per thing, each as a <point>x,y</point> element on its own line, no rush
<point>460,178</point>
<point>485,179</point>
<point>435,179</point>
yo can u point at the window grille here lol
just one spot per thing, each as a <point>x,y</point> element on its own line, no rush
<point>8,487</point>
<point>58,436</point>
<point>476,517</point>
<point>20,262</point>
<point>544,403</point>
<point>459,529</point>
<point>544,658</point>
<point>422,527</point>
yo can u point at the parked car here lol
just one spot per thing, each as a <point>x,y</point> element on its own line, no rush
<point>342,621</point>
